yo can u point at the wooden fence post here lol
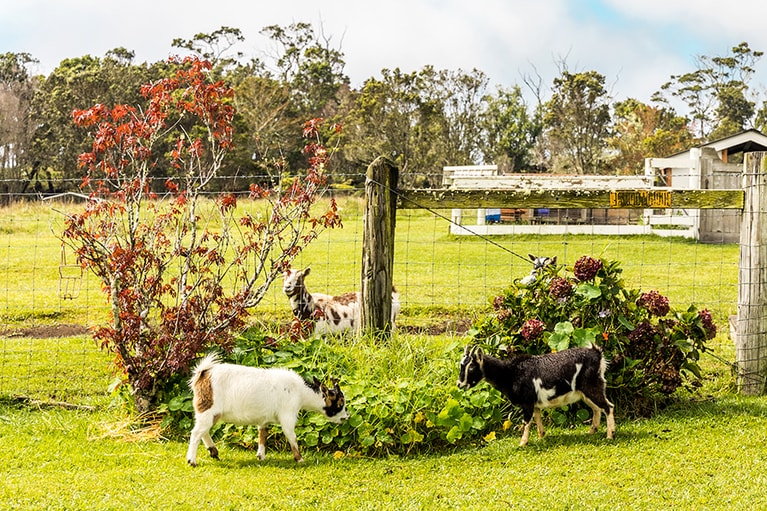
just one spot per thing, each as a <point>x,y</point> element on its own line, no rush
<point>378,246</point>
<point>751,339</point>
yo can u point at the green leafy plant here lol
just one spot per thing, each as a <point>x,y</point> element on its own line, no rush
<point>178,281</point>
<point>391,412</point>
<point>650,345</point>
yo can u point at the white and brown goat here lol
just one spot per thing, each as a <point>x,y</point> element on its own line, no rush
<point>245,395</point>
<point>330,314</point>
<point>535,382</point>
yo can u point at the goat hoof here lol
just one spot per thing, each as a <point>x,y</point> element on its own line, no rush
<point>213,453</point>
<point>191,463</point>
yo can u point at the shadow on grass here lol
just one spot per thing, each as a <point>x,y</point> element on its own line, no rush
<point>572,438</point>
<point>729,405</point>
<point>272,462</point>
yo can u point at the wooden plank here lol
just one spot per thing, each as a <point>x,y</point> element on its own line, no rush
<point>671,163</point>
<point>573,198</point>
<point>751,339</point>
<point>380,221</point>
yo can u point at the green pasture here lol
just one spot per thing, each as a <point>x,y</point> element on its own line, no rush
<point>69,445</point>
<point>706,452</point>
<point>435,272</point>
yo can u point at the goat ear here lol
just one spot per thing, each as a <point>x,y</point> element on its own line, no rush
<point>531,256</point>
<point>307,271</point>
<point>316,383</point>
<point>478,354</point>
<point>554,260</point>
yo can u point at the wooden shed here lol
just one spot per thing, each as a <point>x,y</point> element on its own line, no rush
<point>714,166</point>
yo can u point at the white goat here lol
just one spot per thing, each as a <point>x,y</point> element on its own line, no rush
<point>245,395</point>
<point>331,314</point>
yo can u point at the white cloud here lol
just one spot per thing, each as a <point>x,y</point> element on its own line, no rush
<point>636,45</point>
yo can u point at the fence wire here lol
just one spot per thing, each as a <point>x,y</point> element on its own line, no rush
<point>445,281</point>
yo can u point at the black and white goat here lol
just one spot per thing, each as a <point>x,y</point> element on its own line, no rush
<point>245,395</point>
<point>534,382</point>
<point>331,314</point>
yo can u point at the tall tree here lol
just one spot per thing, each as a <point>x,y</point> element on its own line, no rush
<point>643,131</point>
<point>387,119</point>
<point>218,48</point>
<point>17,88</point>
<point>84,80</point>
<point>577,121</point>
<point>511,130</point>
<point>457,98</point>
<point>307,61</point>
<point>422,120</point>
<point>717,92</point>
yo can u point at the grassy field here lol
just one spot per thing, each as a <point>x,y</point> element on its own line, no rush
<point>434,271</point>
<point>703,453</point>
<point>708,451</point>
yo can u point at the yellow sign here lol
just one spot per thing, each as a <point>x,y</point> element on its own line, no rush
<point>640,199</point>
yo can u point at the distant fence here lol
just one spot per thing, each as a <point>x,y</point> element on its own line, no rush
<point>751,323</point>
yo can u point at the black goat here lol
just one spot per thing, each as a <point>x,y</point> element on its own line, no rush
<point>534,382</point>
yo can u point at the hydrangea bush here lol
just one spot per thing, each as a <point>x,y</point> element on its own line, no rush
<point>652,348</point>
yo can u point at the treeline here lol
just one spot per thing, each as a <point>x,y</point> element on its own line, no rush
<point>422,120</point>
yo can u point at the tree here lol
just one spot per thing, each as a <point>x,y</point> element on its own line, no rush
<point>642,131</point>
<point>181,272</point>
<point>577,121</point>
<point>457,99</point>
<point>75,82</point>
<point>511,130</point>
<point>717,92</point>
<point>420,120</point>
<point>214,48</point>
<point>17,89</point>
<point>388,119</point>
<point>308,64</point>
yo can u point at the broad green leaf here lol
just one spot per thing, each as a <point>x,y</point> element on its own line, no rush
<point>588,291</point>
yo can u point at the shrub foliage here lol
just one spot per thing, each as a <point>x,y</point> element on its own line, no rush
<point>401,398</point>
<point>649,344</point>
<point>181,271</point>
<point>401,394</point>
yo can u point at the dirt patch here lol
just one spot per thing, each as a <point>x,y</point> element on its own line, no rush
<point>452,326</point>
<point>45,331</point>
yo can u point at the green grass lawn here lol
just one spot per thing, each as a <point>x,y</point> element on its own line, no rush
<point>709,451</point>
<point>434,271</point>
<point>707,455</point>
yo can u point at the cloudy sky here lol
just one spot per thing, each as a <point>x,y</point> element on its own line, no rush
<point>636,45</point>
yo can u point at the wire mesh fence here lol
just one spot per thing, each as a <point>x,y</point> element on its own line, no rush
<point>445,281</point>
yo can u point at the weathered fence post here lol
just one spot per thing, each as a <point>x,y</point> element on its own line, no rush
<point>751,339</point>
<point>378,246</point>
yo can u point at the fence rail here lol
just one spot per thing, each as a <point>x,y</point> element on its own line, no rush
<point>751,330</point>
<point>552,198</point>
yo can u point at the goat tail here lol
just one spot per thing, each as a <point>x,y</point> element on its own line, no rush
<point>203,365</point>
